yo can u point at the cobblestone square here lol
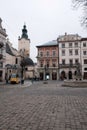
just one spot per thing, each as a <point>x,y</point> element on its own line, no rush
<point>43,107</point>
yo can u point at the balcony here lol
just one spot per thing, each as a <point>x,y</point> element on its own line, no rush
<point>1,44</point>
<point>67,65</point>
<point>50,67</point>
<point>45,56</point>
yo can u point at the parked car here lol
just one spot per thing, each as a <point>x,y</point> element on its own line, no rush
<point>14,78</point>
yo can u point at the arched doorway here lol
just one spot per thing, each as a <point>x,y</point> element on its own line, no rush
<point>63,75</point>
<point>47,76</point>
<point>0,75</point>
<point>54,76</point>
<point>41,76</point>
<point>70,74</point>
<point>75,73</point>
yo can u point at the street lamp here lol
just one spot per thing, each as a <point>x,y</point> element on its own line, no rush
<point>22,64</point>
<point>45,68</point>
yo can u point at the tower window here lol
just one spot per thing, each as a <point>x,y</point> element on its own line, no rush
<point>16,61</point>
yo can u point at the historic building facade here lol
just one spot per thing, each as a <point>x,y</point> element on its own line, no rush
<point>24,43</point>
<point>69,55</point>
<point>12,65</point>
<point>14,57</point>
<point>3,36</point>
<point>24,53</point>
<point>84,57</point>
<point>47,60</point>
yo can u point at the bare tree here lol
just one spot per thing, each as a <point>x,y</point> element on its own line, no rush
<point>83,5</point>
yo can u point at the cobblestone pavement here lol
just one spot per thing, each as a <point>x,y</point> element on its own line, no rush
<point>43,107</point>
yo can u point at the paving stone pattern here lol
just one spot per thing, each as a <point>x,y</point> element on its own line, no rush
<point>43,107</point>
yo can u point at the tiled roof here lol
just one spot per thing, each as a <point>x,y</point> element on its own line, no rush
<point>50,43</point>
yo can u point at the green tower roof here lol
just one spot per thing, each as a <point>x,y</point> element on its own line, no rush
<point>24,32</point>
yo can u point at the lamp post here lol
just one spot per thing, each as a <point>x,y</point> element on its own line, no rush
<point>22,64</point>
<point>45,67</point>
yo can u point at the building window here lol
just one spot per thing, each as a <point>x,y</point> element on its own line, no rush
<point>84,52</point>
<point>85,61</point>
<point>70,61</point>
<point>54,53</point>
<point>63,52</point>
<point>85,69</point>
<point>54,62</point>
<point>47,54</point>
<point>1,64</point>
<point>76,44</point>
<point>63,61</point>
<point>70,52</point>
<point>47,64</point>
<point>63,45</point>
<point>84,44</point>
<point>76,52</point>
<point>26,69</point>
<point>76,61</point>
<point>41,53</point>
<point>54,65</point>
<point>16,61</point>
<point>70,44</point>
<point>41,64</point>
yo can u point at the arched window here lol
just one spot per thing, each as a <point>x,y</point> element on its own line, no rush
<point>75,73</point>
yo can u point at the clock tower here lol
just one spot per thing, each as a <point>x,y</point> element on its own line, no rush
<point>24,43</point>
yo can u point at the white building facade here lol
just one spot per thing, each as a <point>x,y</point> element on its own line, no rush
<point>3,36</point>
<point>84,57</point>
<point>69,55</point>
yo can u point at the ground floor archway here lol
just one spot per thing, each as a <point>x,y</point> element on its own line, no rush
<point>54,76</point>
<point>70,75</point>
<point>41,76</point>
<point>63,75</point>
<point>85,75</point>
<point>0,75</point>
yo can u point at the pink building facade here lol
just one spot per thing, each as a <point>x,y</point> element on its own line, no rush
<point>47,61</point>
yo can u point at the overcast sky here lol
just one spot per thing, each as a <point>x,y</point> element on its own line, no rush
<point>45,20</point>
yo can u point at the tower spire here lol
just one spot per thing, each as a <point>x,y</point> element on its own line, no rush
<point>24,32</point>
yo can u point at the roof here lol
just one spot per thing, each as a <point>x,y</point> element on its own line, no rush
<point>8,65</point>
<point>8,50</point>
<point>50,43</point>
<point>27,62</point>
<point>84,39</point>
